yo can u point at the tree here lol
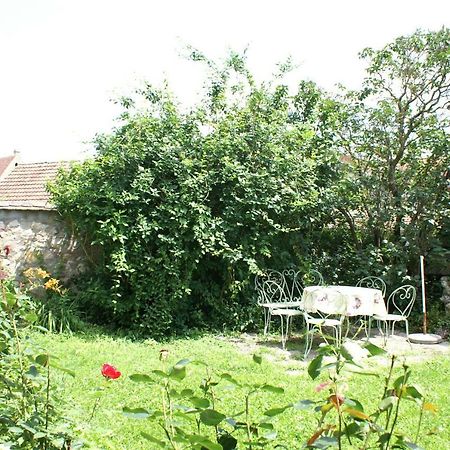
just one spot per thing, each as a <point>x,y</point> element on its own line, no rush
<point>395,135</point>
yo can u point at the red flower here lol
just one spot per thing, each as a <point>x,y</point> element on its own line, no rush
<point>110,372</point>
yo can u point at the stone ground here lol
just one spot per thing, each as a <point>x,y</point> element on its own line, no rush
<point>270,348</point>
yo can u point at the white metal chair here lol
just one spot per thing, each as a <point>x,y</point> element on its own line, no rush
<point>288,296</point>
<point>372,283</point>
<point>313,278</point>
<point>399,306</point>
<point>273,299</point>
<point>330,314</point>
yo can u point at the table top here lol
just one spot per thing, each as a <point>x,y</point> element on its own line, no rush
<point>348,300</point>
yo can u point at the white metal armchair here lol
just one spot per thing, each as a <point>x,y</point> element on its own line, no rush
<point>399,306</point>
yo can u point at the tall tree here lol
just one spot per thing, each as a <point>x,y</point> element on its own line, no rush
<point>395,134</point>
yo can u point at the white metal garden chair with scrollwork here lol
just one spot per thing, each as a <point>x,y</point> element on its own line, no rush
<point>399,306</point>
<point>329,314</point>
<point>372,283</point>
<point>313,278</point>
<point>275,303</point>
<point>291,292</point>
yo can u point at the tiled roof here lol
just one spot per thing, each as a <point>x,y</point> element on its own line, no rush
<point>5,162</point>
<point>25,186</point>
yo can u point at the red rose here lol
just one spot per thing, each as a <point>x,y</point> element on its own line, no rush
<point>110,372</point>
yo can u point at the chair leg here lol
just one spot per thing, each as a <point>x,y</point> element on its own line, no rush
<point>283,339</point>
<point>267,318</point>
<point>309,340</point>
<point>368,331</point>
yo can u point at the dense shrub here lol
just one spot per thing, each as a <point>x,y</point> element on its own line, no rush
<point>185,207</point>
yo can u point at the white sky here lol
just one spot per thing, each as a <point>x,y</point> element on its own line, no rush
<point>62,61</point>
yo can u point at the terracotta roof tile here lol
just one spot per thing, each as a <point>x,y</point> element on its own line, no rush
<point>5,162</point>
<point>25,186</point>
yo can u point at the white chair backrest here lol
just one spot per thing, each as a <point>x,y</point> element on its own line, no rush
<point>374,283</point>
<point>292,285</point>
<point>313,278</point>
<point>402,300</point>
<point>271,292</point>
<point>288,281</point>
<point>269,274</point>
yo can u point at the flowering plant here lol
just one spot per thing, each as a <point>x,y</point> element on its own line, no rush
<point>110,372</point>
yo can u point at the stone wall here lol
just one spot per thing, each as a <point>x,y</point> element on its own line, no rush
<point>30,238</point>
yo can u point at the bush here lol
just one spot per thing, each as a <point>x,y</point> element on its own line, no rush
<point>29,418</point>
<point>186,207</point>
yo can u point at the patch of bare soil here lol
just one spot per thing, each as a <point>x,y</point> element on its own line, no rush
<point>292,356</point>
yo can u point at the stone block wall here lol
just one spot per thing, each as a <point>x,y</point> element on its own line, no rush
<point>32,238</point>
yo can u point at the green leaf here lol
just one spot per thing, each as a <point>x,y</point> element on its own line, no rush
<point>182,363</point>
<point>270,436</point>
<point>228,442</point>
<point>204,442</point>
<point>201,403</point>
<point>315,366</point>
<point>413,446</point>
<point>177,373</point>
<point>186,393</point>
<point>325,442</point>
<point>31,317</point>
<point>42,359</point>
<point>160,373</point>
<point>374,350</point>
<point>11,299</point>
<point>135,413</point>
<point>228,377</point>
<point>304,405</point>
<point>62,369</point>
<point>152,439</point>
<point>413,392</point>
<point>275,411</point>
<point>33,372</point>
<point>140,378</point>
<point>211,417</point>
<point>257,358</point>
<point>266,426</point>
<point>273,389</point>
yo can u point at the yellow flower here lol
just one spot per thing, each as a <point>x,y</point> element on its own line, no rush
<point>36,272</point>
<point>53,285</point>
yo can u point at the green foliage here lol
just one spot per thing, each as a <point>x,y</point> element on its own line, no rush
<point>395,135</point>
<point>55,309</point>
<point>182,208</point>
<point>28,418</point>
<point>344,421</point>
<point>194,420</point>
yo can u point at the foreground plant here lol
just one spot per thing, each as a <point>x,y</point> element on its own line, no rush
<point>55,310</point>
<point>343,421</point>
<point>28,417</point>
<point>194,417</point>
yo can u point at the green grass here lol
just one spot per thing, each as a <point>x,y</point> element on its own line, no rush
<point>109,429</point>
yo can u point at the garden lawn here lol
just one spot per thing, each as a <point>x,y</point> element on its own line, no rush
<point>105,427</point>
